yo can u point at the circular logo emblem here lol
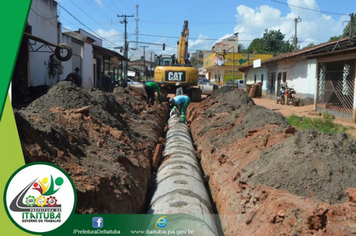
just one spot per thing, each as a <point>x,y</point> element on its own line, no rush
<point>39,197</point>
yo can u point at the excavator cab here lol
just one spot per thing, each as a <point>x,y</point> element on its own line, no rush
<point>165,60</point>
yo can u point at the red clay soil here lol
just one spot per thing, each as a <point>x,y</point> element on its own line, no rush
<point>103,140</point>
<point>266,178</point>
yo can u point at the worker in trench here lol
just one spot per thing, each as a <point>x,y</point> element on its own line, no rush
<point>151,88</point>
<point>180,104</point>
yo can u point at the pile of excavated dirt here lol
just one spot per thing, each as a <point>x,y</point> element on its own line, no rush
<point>268,179</point>
<point>316,165</point>
<point>105,141</point>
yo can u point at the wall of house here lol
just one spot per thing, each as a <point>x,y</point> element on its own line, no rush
<point>228,65</point>
<point>67,65</point>
<point>225,74</point>
<point>97,41</point>
<point>301,75</point>
<point>258,72</point>
<point>291,68</point>
<point>87,69</point>
<point>82,58</point>
<point>312,76</point>
<point>43,20</point>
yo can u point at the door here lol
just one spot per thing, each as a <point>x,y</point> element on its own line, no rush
<point>271,84</point>
<point>279,80</point>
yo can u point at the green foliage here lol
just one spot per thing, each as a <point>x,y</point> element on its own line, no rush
<point>272,42</point>
<point>196,60</point>
<point>256,46</point>
<point>346,31</point>
<point>324,124</point>
<point>310,45</point>
<point>241,48</point>
<point>335,38</point>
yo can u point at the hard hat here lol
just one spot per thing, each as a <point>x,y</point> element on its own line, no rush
<point>171,100</point>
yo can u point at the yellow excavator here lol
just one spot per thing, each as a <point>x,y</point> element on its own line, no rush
<point>174,74</point>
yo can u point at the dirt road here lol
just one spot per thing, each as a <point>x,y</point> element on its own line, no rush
<point>307,111</point>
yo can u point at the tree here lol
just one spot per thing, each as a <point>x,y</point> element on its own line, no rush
<point>334,38</point>
<point>346,31</point>
<point>241,48</point>
<point>309,45</point>
<point>256,46</point>
<point>272,42</point>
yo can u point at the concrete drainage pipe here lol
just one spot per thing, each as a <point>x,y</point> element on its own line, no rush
<point>179,184</point>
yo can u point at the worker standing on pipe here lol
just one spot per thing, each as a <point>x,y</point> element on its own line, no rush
<point>150,88</point>
<point>180,104</point>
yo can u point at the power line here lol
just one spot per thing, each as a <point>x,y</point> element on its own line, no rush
<point>87,14</point>
<point>79,20</point>
<point>305,8</point>
<point>175,37</point>
<point>43,16</point>
<point>126,6</point>
<point>117,8</point>
<point>92,6</point>
<point>163,36</point>
<point>85,25</point>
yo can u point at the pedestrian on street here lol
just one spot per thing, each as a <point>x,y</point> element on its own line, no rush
<point>151,88</point>
<point>179,90</point>
<point>75,77</point>
<point>180,104</point>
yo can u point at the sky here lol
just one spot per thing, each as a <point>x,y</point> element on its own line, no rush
<point>161,21</point>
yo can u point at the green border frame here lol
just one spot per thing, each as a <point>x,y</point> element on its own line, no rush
<point>14,16</point>
<point>32,164</point>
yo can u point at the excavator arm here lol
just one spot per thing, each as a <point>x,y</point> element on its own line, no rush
<point>183,45</point>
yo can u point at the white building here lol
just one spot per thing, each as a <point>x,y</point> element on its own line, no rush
<point>323,75</point>
<point>47,55</point>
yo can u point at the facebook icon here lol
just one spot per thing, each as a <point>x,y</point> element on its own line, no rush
<point>98,222</point>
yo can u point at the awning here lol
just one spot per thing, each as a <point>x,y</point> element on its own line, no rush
<point>35,38</point>
<point>59,48</point>
<point>110,53</point>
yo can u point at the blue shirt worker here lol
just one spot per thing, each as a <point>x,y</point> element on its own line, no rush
<point>181,103</point>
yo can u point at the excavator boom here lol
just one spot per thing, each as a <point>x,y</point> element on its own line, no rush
<point>183,45</point>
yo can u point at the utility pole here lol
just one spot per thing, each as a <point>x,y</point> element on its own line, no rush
<point>137,19</point>
<point>144,59</point>
<point>126,46</point>
<point>351,31</point>
<point>296,20</point>
<point>151,64</point>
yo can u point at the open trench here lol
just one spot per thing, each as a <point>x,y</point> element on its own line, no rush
<point>265,179</point>
<point>180,187</point>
